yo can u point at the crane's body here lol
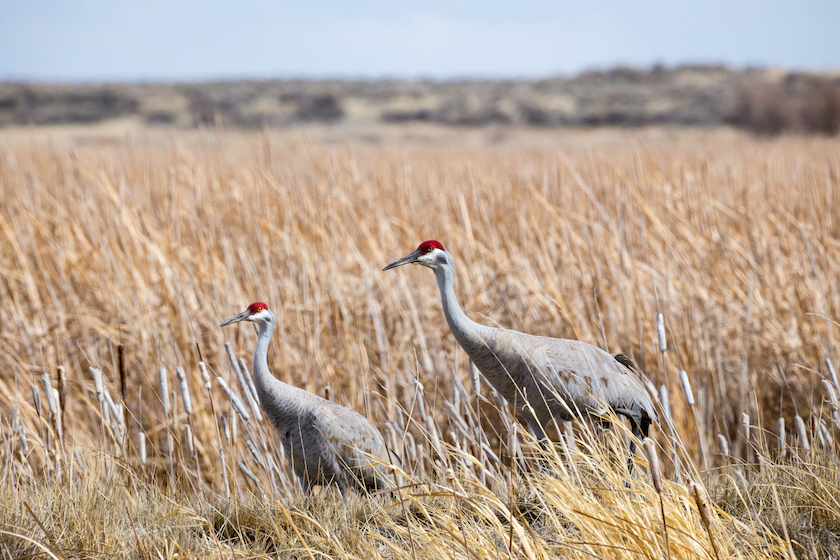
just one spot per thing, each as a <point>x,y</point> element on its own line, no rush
<point>326,443</point>
<point>542,377</point>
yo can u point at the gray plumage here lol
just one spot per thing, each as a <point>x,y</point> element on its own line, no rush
<point>326,442</point>
<point>541,377</point>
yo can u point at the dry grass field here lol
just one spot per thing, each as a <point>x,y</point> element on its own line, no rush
<point>123,251</point>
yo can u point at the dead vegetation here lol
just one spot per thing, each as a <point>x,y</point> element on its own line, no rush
<point>124,258</point>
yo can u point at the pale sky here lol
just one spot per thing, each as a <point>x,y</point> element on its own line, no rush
<point>87,40</point>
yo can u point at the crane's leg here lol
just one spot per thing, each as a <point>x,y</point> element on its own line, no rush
<point>637,434</point>
<point>640,429</point>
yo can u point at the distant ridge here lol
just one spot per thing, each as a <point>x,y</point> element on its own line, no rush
<point>763,100</point>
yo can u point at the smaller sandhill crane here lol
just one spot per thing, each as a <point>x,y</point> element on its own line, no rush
<point>326,442</point>
<point>543,378</point>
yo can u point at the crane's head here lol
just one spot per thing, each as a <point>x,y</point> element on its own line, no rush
<point>430,254</point>
<point>256,313</point>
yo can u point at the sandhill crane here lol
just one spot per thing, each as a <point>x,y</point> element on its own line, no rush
<point>543,378</point>
<point>326,442</point>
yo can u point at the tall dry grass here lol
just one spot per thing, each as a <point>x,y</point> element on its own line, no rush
<point>124,258</point>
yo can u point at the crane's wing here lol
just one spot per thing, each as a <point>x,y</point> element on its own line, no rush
<point>357,443</point>
<point>587,375</point>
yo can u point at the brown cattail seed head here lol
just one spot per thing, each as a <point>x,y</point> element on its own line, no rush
<point>660,332</point>
<point>653,461</point>
<point>702,502</point>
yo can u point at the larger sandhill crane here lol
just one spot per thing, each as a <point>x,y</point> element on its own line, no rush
<point>543,378</point>
<point>326,442</point>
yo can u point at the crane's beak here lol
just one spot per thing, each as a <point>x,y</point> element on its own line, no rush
<point>241,317</point>
<point>410,258</point>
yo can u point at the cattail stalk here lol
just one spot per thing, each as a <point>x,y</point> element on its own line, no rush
<point>780,433</point>
<point>205,378</point>
<point>163,392</point>
<point>62,395</point>
<point>656,476</point>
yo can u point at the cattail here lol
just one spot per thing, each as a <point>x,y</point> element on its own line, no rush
<point>799,424</point>
<point>421,407</point>
<point>780,432</point>
<point>225,428</point>
<point>653,461</point>
<point>702,502</point>
<point>185,389</point>
<point>121,369</point>
<point>475,376</point>
<point>24,447</point>
<point>660,332</point>
<point>832,373</point>
<point>36,398</point>
<point>237,403</point>
<point>724,446</point>
<point>97,382</point>
<point>112,407</point>
<point>830,393</point>
<point>255,453</point>
<point>826,434</point>
<point>745,425</point>
<point>326,392</point>
<point>141,446</point>
<point>686,384</point>
<point>188,440</point>
<point>62,391</point>
<point>248,474</point>
<point>234,364</point>
<point>391,431</point>
<point>163,389</point>
<point>48,390</point>
<point>252,390</point>
<point>665,400</point>
<point>490,453</point>
<point>79,460</point>
<point>205,377</point>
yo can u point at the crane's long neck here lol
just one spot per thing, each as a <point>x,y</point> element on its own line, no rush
<point>277,399</point>
<point>470,335</point>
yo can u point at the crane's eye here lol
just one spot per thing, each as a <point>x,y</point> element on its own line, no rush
<point>429,249</point>
<point>259,309</point>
